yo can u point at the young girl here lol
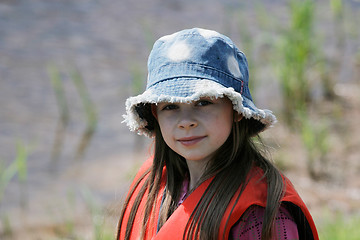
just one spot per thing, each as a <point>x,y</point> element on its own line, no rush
<point>207,178</point>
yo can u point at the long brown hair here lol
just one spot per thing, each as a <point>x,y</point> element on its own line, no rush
<point>229,167</point>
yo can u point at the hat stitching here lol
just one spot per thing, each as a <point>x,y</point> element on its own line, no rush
<point>188,64</point>
<point>242,87</point>
<point>197,64</point>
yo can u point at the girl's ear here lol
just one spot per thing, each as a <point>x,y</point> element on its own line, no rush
<point>237,117</point>
<point>153,111</point>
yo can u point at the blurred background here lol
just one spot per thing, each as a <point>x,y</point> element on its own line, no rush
<point>66,68</point>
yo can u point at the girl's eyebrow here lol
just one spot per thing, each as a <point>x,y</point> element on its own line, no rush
<point>167,103</point>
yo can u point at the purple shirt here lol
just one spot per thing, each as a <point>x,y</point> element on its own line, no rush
<point>250,224</point>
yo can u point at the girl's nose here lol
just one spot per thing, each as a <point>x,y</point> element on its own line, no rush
<point>187,124</point>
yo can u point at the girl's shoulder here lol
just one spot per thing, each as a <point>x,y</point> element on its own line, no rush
<point>250,224</point>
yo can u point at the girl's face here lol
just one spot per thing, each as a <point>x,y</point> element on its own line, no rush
<point>197,129</point>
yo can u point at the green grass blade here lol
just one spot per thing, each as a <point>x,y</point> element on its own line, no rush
<point>59,93</point>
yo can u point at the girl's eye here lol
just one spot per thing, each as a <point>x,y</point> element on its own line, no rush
<point>203,103</point>
<point>170,107</point>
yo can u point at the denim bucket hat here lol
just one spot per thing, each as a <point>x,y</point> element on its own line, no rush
<point>191,64</point>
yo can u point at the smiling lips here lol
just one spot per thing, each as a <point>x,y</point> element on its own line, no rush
<point>189,141</point>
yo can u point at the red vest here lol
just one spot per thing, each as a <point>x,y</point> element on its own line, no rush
<point>254,194</point>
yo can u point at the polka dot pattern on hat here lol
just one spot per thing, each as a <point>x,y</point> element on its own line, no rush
<point>233,67</point>
<point>208,33</point>
<point>180,51</point>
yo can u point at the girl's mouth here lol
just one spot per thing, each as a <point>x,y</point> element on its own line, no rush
<point>189,141</point>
